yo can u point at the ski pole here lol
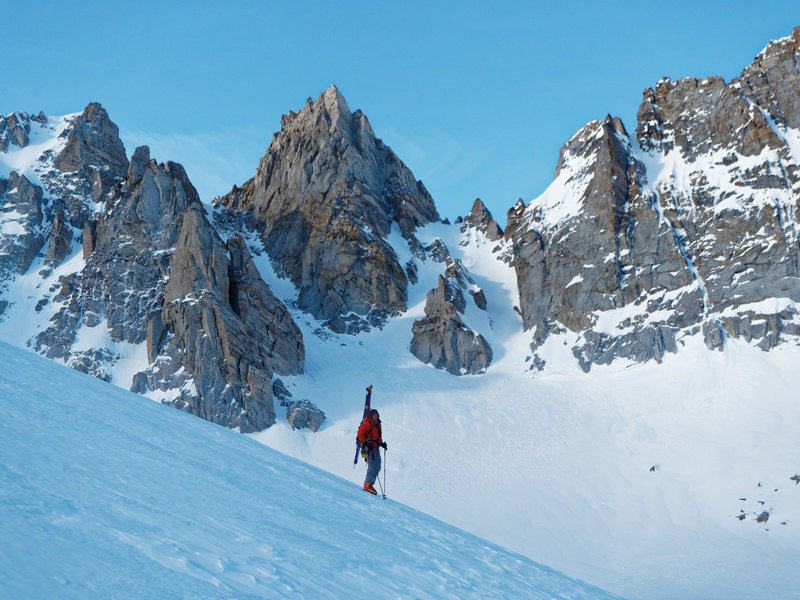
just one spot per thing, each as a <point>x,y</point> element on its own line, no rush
<point>380,486</point>
<point>383,489</point>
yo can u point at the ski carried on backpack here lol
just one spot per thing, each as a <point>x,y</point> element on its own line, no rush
<point>366,410</point>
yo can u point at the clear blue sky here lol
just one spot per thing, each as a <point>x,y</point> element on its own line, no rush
<point>475,97</point>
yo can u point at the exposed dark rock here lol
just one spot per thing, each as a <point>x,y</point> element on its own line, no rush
<point>60,241</point>
<point>138,165</point>
<point>439,252</point>
<point>92,141</point>
<point>479,297</point>
<point>14,129</point>
<point>697,252</point>
<point>481,219</point>
<point>442,339</point>
<point>279,390</point>
<point>89,238</point>
<point>772,80</point>
<point>513,217</point>
<point>304,415</point>
<point>324,199</point>
<point>22,238</point>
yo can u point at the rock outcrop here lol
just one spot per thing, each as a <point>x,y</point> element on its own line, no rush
<point>691,228</point>
<point>304,415</point>
<point>324,200</point>
<point>481,219</point>
<point>442,338</point>
<point>21,238</point>
<point>159,273</point>
<point>15,129</point>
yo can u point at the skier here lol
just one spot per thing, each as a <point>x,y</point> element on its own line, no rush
<point>369,434</point>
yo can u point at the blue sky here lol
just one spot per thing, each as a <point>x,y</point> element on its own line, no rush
<point>476,97</point>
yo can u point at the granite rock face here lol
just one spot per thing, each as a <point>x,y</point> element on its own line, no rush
<point>93,148</point>
<point>481,219</point>
<point>442,338</point>
<point>691,227</point>
<point>51,212</point>
<point>22,238</point>
<point>304,415</point>
<point>14,129</point>
<point>159,273</point>
<point>324,200</point>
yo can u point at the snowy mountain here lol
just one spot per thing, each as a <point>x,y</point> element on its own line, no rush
<point>108,495</point>
<point>690,227</point>
<point>605,385</point>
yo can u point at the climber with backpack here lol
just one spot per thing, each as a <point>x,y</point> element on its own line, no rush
<point>370,437</point>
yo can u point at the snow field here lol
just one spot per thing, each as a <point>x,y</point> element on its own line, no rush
<point>107,494</point>
<point>556,464</point>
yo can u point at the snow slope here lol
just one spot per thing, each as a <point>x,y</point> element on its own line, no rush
<point>556,465</point>
<point>105,494</point>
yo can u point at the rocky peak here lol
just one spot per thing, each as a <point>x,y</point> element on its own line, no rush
<point>772,80</point>
<point>60,202</point>
<point>441,338</point>
<point>582,146</point>
<point>15,129</point>
<point>93,142</point>
<point>327,193</point>
<point>336,109</point>
<point>480,218</point>
<point>689,249</point>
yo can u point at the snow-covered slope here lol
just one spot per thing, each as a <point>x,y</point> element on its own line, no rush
<point>104,494</point>
<point>44,137</point>
<point>557,465</point>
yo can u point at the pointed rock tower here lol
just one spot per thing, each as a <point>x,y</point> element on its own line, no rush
<point>324,199</point>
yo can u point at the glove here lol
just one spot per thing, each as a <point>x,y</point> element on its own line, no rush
<point>384,446</point>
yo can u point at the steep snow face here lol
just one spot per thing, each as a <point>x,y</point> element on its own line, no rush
<point>105,494</point>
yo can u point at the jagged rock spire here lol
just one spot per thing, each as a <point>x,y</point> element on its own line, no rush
<point>324,199</point>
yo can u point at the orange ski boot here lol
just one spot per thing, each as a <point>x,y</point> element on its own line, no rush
<point>368,487</point>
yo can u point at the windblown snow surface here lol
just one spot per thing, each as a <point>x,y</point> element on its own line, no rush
<point>105,494</point>
<point>645,479</point>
